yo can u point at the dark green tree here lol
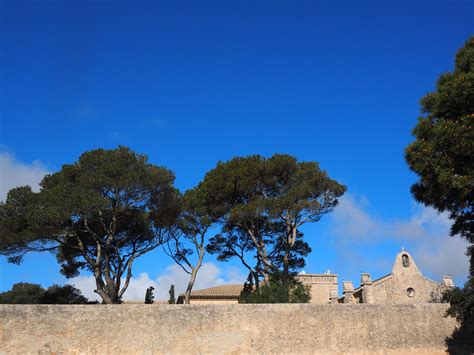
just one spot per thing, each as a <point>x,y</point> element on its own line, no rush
<point>296,193</point>
<point>187,245</point>
<point>232,189</point>
<point>248,288</point>
<point>99,214</point>
<point>172,299</point>
<point>235,243</point>
<point>279,290</point>
<point>268,200</point>
<point>443,153</point>
<point>149,297</point>
<point>462,307</point>
<point>462,300</point>
<point>22,293</point>
<point>443,157</point>
<point>27,293</point>
<point>66,294</point>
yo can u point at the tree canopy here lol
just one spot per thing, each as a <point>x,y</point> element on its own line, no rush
<point>261,203</point>
<point>187,245</point>
<point>443,157</point>
<point>278,290</point>
<point>149,297</point>
<point>111,206</point>
<point>443,153</point>
<point>172,298</point>
<point>27,293</point>
<point>98,214</point>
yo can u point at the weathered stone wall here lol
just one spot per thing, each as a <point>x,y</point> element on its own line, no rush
<point>395,290</point>
<point>215,301</point>
<point>224,329</point>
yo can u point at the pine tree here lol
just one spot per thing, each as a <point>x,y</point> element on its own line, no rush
<point>172,299</point>
<point>248,288</point>
<point>149,297</point>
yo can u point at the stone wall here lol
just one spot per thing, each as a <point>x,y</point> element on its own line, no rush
<point>225,329</point>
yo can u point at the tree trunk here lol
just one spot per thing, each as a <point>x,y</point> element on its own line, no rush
<point>470,253</point>
<point>108,293</point>
<point>267,267</point>
<point>256,281</point>
<point>187,294</point>
<point>291,234</point>
<point>192,279</point>
<point>262,255</point>
<point>286,262</point>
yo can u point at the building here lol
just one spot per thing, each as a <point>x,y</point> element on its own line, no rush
<point>405,284</point>
<point>323,290</point>
<point>324,287</point>
<point>224,294</point>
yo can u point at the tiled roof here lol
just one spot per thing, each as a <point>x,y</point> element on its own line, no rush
<point>223,291</point>
<point>234,290</point>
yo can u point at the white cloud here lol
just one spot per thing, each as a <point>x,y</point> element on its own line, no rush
<point>87,286</point>
<point>350,220</point>
<point>426,232</point>
<point>209,275</point>
<point>14,173</point>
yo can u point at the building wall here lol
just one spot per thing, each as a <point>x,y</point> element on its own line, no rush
<point>322,286</point>
<point>404,278</point>
<point>395,290</point>
<point>232,329</point>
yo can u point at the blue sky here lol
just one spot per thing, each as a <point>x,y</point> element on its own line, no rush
<point>193,82</point>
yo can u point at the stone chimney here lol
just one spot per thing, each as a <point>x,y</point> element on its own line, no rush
<point>333,296</point>
<point>348,291</point>
<point>448,281</point>
<point>367,288</point>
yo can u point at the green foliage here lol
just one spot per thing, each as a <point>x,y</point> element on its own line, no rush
<point>443,152</point>
<point>462,301</point>
<point>462,307</point>
<point>98,214</point>
<point>172,299</point>
<point>111,206</point>
<point>149,297</point>
<point>22,293</point>
<point>249,288</point>
<point>187,246</point>
<point>66,294</point>
<point>261,204</point>
<point>443,157</point>
<point>26,293</point>
<point>279,290</point>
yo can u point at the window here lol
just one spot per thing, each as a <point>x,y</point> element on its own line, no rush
<point>410,292</point>
<point>405,260</point>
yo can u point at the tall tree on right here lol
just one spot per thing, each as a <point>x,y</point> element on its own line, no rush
<point>443,153</point>
<point>443,157</point>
